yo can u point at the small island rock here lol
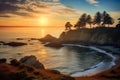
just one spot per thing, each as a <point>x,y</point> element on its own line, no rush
<point>15,44</point>
<point>48,38</point>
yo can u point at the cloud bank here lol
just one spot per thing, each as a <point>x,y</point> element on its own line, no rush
<point>31,8</point>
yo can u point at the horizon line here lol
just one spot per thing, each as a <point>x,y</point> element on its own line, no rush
<point>27,26</point>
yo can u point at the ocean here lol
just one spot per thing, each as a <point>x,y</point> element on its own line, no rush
<point>74,60</point>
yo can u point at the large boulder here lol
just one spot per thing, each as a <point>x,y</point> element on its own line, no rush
<point>32,61</point>
<point>118,26</point>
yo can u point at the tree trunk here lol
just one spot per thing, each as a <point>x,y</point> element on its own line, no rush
<point>108,25</point>
<point>90,26</point>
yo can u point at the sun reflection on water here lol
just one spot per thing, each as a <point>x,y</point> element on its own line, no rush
<point>42,31</point>
<point>43,54</point>
<point>43,57</point>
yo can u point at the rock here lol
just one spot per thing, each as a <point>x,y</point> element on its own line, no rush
<point>15,44</point>
<point>32,61</point>
<point>11,72</point>
<point>3,60</point>
<point>54,45</point>
<point>50,41</point>
<point>34,38</point>
<point>2,42</point>
<point>19,38</point>
<point>14,62</point>
<point>118,26</point>
<point>99,35</point>
<point>48,38</point>
<point>53,71</point>
<point>65,78</point>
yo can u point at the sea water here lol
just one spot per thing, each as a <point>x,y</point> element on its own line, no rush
<point>74,60</point>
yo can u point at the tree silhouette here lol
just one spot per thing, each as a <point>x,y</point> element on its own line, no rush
<point>98,18</point>
<point>81,22</point>
<point>89,20</point>
<point>118,25</point>
<point>78,25</point>
<point>108,20</point>
<point>103,17</point>
<point>104,14</point>
<point>68,26</point>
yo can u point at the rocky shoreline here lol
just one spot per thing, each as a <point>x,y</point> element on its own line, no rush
<point>103,37</point>
<point>29,68</point>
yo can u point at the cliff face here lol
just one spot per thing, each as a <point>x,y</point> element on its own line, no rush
<point>99,35</point>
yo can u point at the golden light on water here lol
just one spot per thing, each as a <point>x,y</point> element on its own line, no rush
<point>42,32</point>
<point>43,54</point>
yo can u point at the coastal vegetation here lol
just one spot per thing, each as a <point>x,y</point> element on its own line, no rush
<point>99,19</point>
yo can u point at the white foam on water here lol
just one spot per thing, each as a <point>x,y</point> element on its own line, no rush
<point>96,68</point>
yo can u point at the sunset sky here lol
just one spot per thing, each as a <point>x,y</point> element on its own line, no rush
<point>52,12</point>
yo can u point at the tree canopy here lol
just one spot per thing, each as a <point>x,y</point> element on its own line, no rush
<point>100,19</point>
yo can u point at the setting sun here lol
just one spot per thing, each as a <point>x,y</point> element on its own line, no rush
<point>43,21</point>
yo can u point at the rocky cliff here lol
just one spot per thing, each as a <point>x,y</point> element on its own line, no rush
<point>28,68</point>
<point>100,35</point>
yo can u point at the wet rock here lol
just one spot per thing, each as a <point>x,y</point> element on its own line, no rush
<point>118,26</point>
<point>3,60</point>
<point>34,38</point>
<point>54,71</point>
<point>48,38</point>
<point>54,45</point>
<point>65,78</point>
<point>15,44</point>
<point>2,42</point>
<point>32,61</point>
<point>19,38</point>
<point>14,62</point>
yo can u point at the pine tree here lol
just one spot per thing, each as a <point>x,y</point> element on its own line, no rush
<point>103,16</point>
<point>98,18</point>
<point>108,20</point>
<point>89,20</point>
<point>81,22</point>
